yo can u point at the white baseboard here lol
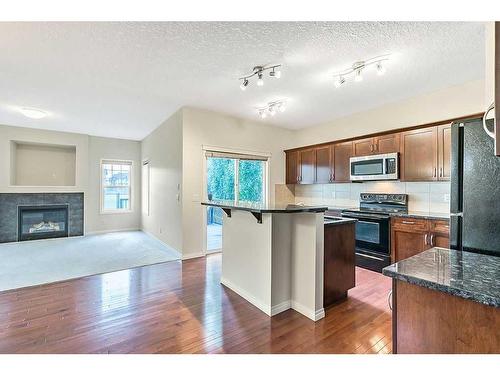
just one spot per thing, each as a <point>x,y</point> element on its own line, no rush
<point>111,231</point>
<point>161,242</point>
<point>249,297</point>
<point>280,307</point>
<point>310,313</point>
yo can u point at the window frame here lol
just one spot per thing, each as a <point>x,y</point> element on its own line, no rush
<point>130,186</point>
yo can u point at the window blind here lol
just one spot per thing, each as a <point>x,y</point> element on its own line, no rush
<point>229,155</point>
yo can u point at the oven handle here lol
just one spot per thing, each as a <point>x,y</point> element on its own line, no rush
<point>365,216</point>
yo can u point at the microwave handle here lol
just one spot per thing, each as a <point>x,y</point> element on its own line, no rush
<point>384,166</point>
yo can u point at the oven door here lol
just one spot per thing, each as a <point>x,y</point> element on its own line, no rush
<point>372,232</point>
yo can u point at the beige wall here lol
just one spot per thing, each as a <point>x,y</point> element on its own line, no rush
<point>28,135</point>
<point>118,149</point>
<point>456,101</point>
<point>205,128</point>
<point>163,149</point>
<point>489,74</point>
<point>89,151</point>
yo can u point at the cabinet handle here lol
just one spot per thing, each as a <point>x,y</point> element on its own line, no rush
<point>425,239</point>
<point>371,148</point>
<point>408,222</point>
<point>435,172</point>
<point>431,240</point>
<point>389,299</point>
<point>441,172</point>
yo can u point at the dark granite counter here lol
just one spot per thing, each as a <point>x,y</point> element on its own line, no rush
<point>263,209</point>
<point>423,215</point>
<point>460,273</point>
<point>330,221</point>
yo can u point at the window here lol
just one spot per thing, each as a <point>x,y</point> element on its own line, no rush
<point>116,186</point>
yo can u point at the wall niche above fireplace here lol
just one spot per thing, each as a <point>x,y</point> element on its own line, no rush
<point>39,164</point>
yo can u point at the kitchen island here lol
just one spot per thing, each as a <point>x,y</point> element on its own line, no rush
<point>446,301</point>
<point>273,255</point>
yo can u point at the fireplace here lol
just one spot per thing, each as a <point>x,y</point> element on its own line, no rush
<point>38,222</point>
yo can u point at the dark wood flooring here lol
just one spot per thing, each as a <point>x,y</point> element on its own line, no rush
<point>180,307</point>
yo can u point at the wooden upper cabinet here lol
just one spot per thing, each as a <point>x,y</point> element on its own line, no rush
<point>444,152</point>
<point>386,144</point>
<point>419,156</point>
<point>363,147</point>
<point>383,144</point>
<point>307,166</point>
<point>341,155</point>
<point>324,164</point>
<point>292,167</point>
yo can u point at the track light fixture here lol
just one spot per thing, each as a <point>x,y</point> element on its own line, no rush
<point>356,70</point>
<point>271,108</point>
<point>259,72</point>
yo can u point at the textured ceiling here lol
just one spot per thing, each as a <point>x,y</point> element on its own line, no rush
<point>123,79</point>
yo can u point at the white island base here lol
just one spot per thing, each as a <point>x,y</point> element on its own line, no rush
<point>277,264</point>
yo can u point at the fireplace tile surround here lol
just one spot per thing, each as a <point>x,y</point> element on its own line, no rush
<point>9,203</point>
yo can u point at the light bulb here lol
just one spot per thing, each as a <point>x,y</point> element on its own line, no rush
<point>260,81</point>
<point>262,114</point>
<point>282,107</point>
<point>272,110</point>
<point>380,69</point>
<point>339,81</point>
<point>278,74</point>
<point>244,84</point>
<point>358,77</point>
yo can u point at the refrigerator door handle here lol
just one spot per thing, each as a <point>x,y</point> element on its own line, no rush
<point>485,127</point>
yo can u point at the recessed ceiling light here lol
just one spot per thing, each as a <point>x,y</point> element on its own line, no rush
<point>33,113</point>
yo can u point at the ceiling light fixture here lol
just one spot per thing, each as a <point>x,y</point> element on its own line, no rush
<point>272,108</point>
<point>259,72</point>
<point>33,113</point>
<point>244,85</point>
<point>357,69</point>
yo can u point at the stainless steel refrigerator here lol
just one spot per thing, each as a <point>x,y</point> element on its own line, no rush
<point>475,190</point>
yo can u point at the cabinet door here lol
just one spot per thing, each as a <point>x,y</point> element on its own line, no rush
<point>440,233</point>
<point>444,152</point>
<point>323,164</point>
<point>419,155</point>
<point>386,144</point>
<point>363,147</point>
<point>406,244</point>
<point>342,153</point>
<point>307,166</point>
<point>292,166</point>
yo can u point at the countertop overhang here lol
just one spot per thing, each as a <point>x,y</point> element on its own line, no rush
<point>464,274</point>
<point>264,209</point>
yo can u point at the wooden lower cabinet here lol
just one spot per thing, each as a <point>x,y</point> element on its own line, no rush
<point>411,236</point>
<point>427,321</point>
<point>339,262</point>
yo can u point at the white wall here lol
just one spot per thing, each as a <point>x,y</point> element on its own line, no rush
<point>489,74</point>
<point>452,102</point>
<point>206,128</point>
<point>119,149</point>
<point>163,149</point>
<point>89,151</point>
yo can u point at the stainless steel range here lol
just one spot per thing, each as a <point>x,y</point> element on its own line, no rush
<point>373,228</point>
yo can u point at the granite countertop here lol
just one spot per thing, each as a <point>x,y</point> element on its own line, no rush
<point>260,208</point>
<point>423,215</point>
<point>460,273</point>
<point>332,220</point>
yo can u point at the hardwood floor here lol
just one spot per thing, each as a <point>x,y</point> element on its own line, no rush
<point>180,307</point>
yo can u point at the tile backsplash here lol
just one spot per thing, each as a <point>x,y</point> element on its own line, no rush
<point>422,196</point>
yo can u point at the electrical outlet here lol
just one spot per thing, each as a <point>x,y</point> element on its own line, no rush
<point>447,197</point>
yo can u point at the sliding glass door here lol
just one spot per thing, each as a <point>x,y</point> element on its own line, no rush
<point>231,177</point>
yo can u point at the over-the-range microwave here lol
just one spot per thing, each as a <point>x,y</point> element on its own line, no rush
<point>375,167</point>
